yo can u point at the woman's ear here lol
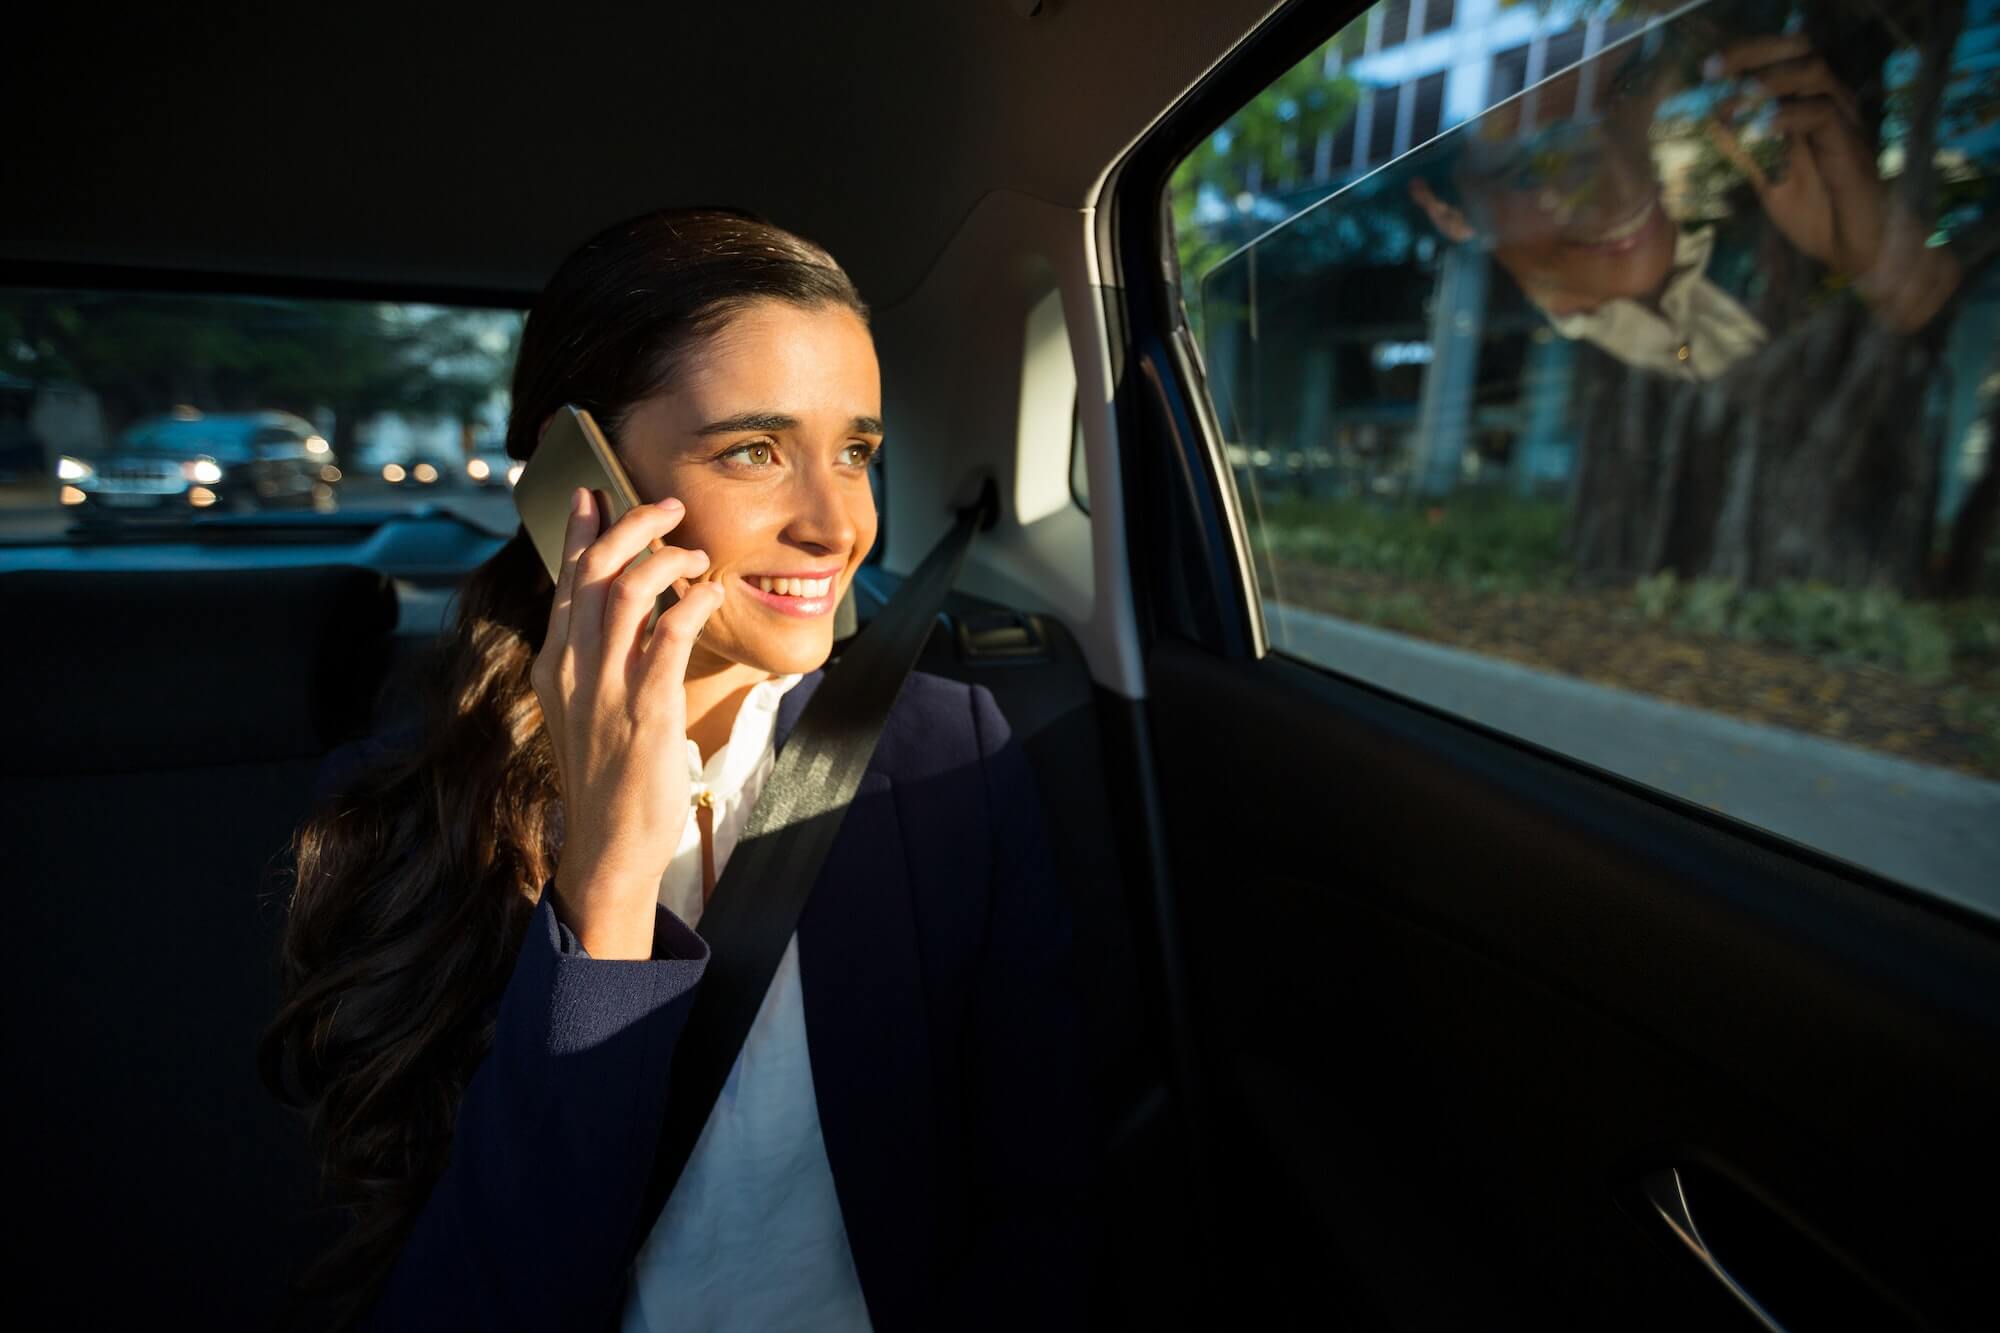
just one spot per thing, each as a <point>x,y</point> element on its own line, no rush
<point>1451,222</point>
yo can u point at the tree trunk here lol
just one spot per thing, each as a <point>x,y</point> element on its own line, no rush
<point>1978,521</point>
<point>1816,458</point>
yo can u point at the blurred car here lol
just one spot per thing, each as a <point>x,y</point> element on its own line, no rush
<point>489,466</point>
<point>185,461</point>
<point>402,464</point>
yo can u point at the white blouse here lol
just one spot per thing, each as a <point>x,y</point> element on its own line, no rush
<point>752,1236</point>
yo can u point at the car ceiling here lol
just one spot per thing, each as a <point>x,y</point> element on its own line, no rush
<point>406,146</point>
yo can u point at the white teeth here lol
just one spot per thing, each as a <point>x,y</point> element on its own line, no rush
<point>796,587</point>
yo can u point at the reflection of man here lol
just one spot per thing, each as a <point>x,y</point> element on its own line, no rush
<point>1573,211</point>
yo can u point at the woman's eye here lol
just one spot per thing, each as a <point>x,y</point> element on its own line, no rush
<point>868,452</point>
<point>747,448</point>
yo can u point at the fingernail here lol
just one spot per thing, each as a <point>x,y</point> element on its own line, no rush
<point>670,504</point>
<point>576,501</point>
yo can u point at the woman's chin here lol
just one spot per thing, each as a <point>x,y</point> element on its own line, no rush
<point>802,650</point>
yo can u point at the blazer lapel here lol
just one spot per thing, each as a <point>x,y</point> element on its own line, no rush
<point>869,1042</point>
<point>791,703</point>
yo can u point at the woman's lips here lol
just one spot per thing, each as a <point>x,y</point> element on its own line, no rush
<point>1628,233</point>
<point>805,608</point>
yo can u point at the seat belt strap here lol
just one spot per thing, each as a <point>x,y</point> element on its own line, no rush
<point>762,892</point>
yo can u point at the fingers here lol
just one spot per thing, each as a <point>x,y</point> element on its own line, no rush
<point>578,533</point>
<point>1842,158</point>
<point>1755,52</point>
<point>1787,66</point>
<point>634,592</point>
<point>665,668</point>
<point>1731,148</point>
<point>606,557</point>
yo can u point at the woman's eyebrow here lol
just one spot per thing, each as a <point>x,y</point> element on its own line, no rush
<point>779,421</point>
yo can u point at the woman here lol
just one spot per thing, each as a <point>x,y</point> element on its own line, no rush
<point>490,951</point>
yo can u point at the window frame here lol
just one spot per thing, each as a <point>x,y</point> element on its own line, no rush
<point>1189,547</point>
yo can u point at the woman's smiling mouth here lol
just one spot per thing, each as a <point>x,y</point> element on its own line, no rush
<point>1625,234</point>
<point>803,596</point>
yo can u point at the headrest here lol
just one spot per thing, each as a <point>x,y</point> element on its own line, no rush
<point>115,670</point>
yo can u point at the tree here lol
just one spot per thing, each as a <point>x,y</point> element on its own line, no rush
<point>1257,151</point>
<point>1815,459</point>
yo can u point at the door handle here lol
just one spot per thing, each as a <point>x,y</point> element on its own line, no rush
<point>1667,1193</point>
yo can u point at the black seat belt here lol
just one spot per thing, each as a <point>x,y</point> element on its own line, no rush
<point>755,907</point>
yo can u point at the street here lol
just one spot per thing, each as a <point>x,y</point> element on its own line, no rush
<point>35,517</point>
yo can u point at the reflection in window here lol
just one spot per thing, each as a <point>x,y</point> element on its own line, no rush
<point>1661,393</point>
<point>1427,115</point>
<point>1510,74</point>
<point>1557,99</point>
<point>1395,22</point>
<point>1382,128</point>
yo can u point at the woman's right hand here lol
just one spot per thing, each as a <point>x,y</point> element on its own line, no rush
<point>615,706</point>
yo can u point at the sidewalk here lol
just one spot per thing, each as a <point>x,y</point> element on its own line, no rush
<point>1931,828</point>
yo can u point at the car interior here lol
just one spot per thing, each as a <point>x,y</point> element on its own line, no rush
<point>1397,1018</point>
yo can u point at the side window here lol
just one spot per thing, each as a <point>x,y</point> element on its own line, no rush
<point>1624,377</point>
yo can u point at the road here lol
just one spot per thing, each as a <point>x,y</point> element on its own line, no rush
<point>1931,828</point>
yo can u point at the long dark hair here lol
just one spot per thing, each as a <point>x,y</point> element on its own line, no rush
<point>415,886</point>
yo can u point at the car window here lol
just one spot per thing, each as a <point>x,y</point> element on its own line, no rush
<point>128,411</point>
<point>1624,377</point>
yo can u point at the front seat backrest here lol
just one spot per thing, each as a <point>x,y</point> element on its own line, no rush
<point>161,738</point>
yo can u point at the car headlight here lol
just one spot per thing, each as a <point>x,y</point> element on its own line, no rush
<point>424,473</point>
<point>478,469</point>
<point>73,469</point>
<point>514,471</point>
<point>204,470</point>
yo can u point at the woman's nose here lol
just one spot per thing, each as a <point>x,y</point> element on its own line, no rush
<point>823,515</point>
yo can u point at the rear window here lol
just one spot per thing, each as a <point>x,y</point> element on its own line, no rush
<point>129,410</point>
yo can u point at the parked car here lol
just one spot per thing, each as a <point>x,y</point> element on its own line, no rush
<point>186,461</point>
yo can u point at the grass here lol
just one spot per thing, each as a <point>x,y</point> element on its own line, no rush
<point>1479,540</point>
<point>1486,572</point>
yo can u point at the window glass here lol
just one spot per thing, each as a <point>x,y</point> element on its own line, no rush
<point>1647,413</point>
<point>129,412</point>
<point>1395,22</point>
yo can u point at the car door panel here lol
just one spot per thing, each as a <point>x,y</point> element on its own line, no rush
<point>1465,995</point>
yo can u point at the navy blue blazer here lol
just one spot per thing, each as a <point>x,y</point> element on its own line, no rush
<point>942,1015</point>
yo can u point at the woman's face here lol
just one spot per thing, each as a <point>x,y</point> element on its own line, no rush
<point>1574,213</point>
<point>766,437</point>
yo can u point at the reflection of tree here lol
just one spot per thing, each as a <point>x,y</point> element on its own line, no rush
<point>1818,457</point>
<point>1257,151</point>
<point>145,353</point>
